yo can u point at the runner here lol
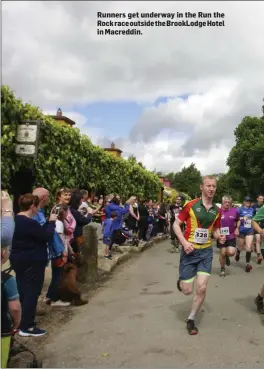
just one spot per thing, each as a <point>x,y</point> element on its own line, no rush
<point>175,210</point>
<point>256,224</point>
<point>246,232</point>
<point>202,218</point>
<point>259,204</point>
<point>230,228</point>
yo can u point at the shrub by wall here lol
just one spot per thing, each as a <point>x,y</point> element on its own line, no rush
<point>68,158</point>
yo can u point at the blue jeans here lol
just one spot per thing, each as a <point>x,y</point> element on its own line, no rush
<point>54,283</point>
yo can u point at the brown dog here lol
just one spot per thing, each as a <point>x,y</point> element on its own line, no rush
<point>68,289</point>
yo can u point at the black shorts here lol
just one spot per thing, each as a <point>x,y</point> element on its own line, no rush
<point>228,243</point>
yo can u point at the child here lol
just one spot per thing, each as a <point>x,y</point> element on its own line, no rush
<point>10,310</point>
<point>108,233</point>
<point>58,264</point>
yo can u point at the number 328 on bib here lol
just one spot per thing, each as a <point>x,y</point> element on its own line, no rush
<point>201,235</point>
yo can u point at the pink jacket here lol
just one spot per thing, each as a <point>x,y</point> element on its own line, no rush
<point>70,225</point>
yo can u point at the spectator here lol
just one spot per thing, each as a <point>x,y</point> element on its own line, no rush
<point>29,259</point>
<point>114,206</point>
<point>84,203</point>
<point>7,220</point>
<point>57,265</point>
<point>80,220</point>
<point>108,234</point>
<point>143,219</point>
<point>133,216</point>
<point>43,196</point>
<point>63,197</point>
<point>162,218</point>
<point>10,307</point>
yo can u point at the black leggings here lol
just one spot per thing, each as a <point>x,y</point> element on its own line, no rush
<point>143,226</point>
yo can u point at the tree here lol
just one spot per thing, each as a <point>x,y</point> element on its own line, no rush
<point>170,176</point>
<point>132,158</point>
<point>225,186</point>
<point>246,159</point>
<point>188,180</point>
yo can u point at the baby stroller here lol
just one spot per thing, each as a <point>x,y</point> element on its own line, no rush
<point>132,238</point>
<point>18,348</point>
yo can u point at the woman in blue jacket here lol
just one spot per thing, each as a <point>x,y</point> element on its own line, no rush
<point>115,207</point>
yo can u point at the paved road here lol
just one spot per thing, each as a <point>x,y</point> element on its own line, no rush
<point>137,321</point>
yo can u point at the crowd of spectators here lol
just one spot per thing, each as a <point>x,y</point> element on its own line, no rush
<point>34,239</point>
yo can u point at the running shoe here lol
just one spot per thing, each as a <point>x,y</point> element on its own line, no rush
<point>259,259</point>
<point>222,272</point>
<point>190,325</point>
<point>248,268</point>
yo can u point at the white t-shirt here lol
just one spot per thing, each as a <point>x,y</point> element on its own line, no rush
<point>60,230</point>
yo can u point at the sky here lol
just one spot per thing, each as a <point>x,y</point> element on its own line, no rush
<point>170,97</point>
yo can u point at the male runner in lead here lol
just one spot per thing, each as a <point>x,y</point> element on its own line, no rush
<point>202,218</point>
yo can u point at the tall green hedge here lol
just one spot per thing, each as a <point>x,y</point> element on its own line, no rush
<point>68,158</point>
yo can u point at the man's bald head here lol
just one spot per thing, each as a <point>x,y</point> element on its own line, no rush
<point>43,196</point>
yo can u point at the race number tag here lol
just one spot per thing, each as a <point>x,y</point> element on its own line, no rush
<point>224,231</point>
<point>201,235</point>
<point>247,223</point>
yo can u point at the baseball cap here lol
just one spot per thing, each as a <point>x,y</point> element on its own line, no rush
<point>247,198</point>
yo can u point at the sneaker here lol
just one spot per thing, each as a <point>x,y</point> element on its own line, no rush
<point>222,273</point>
<point>260,305</point>
<point>34,332</point>
<point>248,268</point>
<point>227,261</point>
<point>109,257</point>
<point>259,259</point>
<point>190,325</point>
<point>60,303</point>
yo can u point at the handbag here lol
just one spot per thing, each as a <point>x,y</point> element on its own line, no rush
<point>56,246</point>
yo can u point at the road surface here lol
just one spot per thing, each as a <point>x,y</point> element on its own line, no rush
<point>136,320</point>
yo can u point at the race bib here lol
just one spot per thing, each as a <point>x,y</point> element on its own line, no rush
<point>224,231</point>
<point>247,223</point>
<point>201,235</point>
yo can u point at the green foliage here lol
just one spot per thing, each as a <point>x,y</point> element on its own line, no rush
<point>67,158</point>
<point>246,159</point>
<point>225,186</point>
<point>188,180</point>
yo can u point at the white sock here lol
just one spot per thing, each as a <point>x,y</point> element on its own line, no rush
<point>191,316</point>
